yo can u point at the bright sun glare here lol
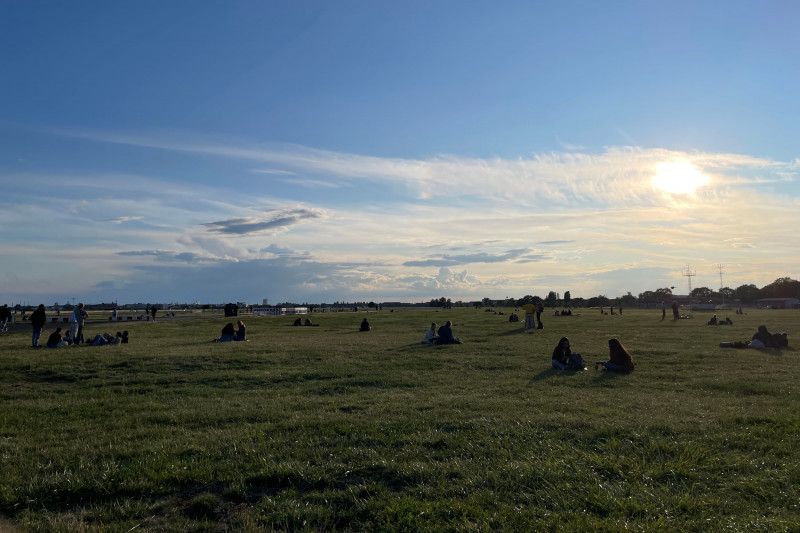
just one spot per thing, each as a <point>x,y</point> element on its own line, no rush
<point>679,177</point>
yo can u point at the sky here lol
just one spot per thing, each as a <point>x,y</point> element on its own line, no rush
<point>316,152</point>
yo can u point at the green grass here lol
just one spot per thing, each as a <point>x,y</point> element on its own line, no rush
<point>331,429</point>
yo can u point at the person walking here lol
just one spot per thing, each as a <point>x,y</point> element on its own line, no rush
<point>539,310</point>
<point>38,319</point>
<point>5,317</point>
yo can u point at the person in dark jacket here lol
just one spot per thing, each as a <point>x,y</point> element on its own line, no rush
<point>38,319</point>
<point>55,340</point>
<point>446,334</point>
<point>241,333</point>
<point>5,317</point>
<point>564,359</point>
<point>227,333</point>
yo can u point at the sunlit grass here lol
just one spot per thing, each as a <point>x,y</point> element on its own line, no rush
<point>328,428</point>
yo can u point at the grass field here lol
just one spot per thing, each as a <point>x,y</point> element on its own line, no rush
<point>329,429</point>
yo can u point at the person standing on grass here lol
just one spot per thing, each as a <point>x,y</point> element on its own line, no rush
<point>676,314</point>
<point>5,317</point>
<point>77,320</point>
<point>530,314</point>
<point>620,359</point>
<point>38,319</point>
<point>663,309</point>
<point>539,311</point>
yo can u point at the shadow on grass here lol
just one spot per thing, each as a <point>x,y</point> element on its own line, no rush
<point>552,372</point>
<point>514,332</point>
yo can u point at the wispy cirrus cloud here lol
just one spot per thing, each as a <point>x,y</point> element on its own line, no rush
<point>446,260</point>
<point>120,220</point>
<point>275,220</point>
<point>169,255</point>
<point>274,171</point>
<point>616,176</point>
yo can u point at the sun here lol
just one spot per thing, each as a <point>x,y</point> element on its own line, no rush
<point>679,177</point>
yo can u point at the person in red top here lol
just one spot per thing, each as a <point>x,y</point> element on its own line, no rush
<point>620,359</point>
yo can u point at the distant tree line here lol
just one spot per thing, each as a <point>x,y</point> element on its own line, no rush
<point>744,294</point>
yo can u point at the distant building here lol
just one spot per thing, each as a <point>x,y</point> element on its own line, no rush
<point>278,311</point>
<point>779,303</point>
<point>101,307</point>
<point>265,302</point>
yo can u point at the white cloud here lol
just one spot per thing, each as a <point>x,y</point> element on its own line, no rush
<point>516,226</point>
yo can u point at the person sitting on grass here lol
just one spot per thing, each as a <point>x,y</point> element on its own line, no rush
<point>55,340</point>
<point>102,340</point>
<point>762,338</point>
<point>713,321</point>
<point>117,338</point>
<point>298,322</point>
<point>620,359</point>
<point>241,333</point>
<point>430,335</point>
<point>765,339</point>
<point>364,325</point>
<point>227,333</point>
<point>446,334</point>
<point>125,337</point>
<point>564,359</point>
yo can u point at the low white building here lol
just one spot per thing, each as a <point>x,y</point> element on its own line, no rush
<point>779,303</point>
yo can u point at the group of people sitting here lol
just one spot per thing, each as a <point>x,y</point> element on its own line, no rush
<point>764,339</point>
<point>620,359</point>
<point>444,335</point>
<point>56,340</point>
<point>230,334</point>
<point>563,312</point>
<point>299,322</point>
<point>761,339</point>
<point>715,322</point>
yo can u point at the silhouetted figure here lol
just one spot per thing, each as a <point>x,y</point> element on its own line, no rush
<point>564,359</point>
<point>620,360</point>
<point>38,319</point>
<point>227,333</point>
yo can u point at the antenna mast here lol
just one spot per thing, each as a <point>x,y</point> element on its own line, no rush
<point>689,274</point>
<point>719,266</point>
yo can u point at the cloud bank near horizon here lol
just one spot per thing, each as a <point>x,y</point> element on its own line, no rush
<point>515,226</point>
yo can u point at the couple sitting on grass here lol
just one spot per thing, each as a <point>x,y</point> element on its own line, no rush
<point>620,359</point>
<point>761,339</point>
<point>443,336</point>
<point>229,334</point>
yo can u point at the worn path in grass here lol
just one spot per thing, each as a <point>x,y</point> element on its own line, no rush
<point>327,428</point>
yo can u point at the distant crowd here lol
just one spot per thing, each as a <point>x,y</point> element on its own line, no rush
<point>563,358</point>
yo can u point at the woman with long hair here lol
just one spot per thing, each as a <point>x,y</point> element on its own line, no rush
<point>564,359</point>
<point>620,359</point>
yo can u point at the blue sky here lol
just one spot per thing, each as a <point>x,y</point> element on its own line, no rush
<point>321,151</point>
